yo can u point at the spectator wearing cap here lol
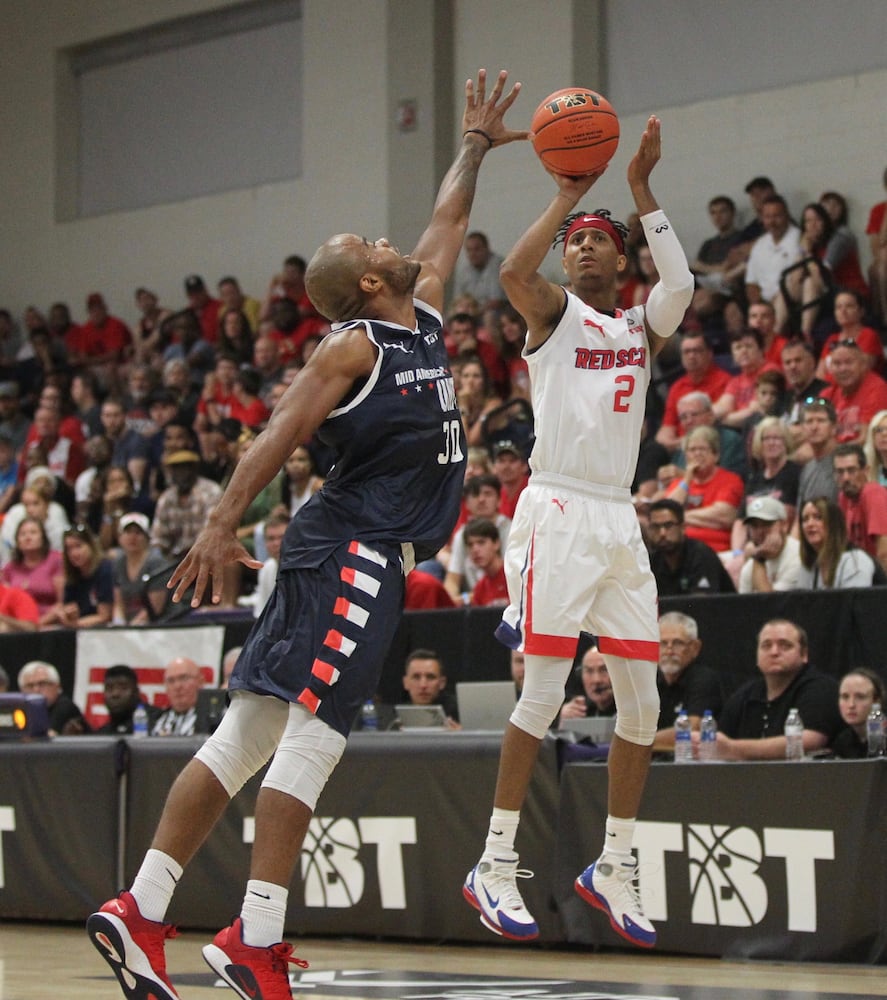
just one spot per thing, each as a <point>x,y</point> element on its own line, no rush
<point>101,343</point>
<point>513,472</point>
<point>184,506</point>
<point>771,557</point>
<point>120,689</point>
<point>13,423</point>
<point>204,307</point>
<point>136,563</point>
<point>857,393</point>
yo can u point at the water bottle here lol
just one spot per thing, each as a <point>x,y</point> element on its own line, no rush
<point>369,716</point>
<point>140,721</point>
<point>794,736</point>
<point>683,739</point>
<point>875,731</point>
<point>708,737</point>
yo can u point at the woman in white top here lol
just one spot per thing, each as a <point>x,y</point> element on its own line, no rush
<point>827,559</point>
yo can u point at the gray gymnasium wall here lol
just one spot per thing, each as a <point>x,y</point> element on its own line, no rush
<point>794,91</point>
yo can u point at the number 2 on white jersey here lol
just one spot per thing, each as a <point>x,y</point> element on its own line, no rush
<point>623,396</point>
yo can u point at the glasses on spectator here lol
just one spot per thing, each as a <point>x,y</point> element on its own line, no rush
<point>674,643</point>
<point>37,684</point>
<point>689,414</point>
<point>846,342</point>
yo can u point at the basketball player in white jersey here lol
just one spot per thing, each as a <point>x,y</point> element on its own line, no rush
<point>575,559</point>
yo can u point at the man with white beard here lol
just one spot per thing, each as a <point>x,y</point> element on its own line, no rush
<point>683,682</point>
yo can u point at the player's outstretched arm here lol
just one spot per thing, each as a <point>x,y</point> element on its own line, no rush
<point>339,360</point>
<point>671,295</point>
<point>538,300</point>
<point>483,127</point>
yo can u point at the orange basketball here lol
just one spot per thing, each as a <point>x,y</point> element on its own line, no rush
<point>575,131</point>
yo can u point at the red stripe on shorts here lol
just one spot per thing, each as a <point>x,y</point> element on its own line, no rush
<point>323,671</point>
<point>310,700</point>
<point>630,649</point>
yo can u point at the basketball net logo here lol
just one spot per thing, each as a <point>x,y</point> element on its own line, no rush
<point>727,887</point>
<point>336,852</point>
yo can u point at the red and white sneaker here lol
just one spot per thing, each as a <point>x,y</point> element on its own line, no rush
<point>253,973</point>
<point>133,947</point>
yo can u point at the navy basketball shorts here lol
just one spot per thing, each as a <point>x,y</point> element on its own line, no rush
<point>325,631</point>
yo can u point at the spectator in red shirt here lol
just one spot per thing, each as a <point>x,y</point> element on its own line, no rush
<point>425,592</point>
<point>762,317</point>
<point>511,468</point>
<point>710,495</point>
<point>18,610</point>
<point>64,453</point>
<point>217,396</point>
<point>463,340</point>
<point>246,406</point>
<point>485,551</point>
<point>849,315</point>
<point>857,394</point>
<point>204,307</point>
<point>876,230</point>
<point>737,402</point>
<point>863,503</point>
<point>701,375</point>
<point>101,343</point>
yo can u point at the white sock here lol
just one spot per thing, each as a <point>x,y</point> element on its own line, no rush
<point>501,834</point>
<point>263,913</point>
<point>618,837</point>
<point>155,883</point>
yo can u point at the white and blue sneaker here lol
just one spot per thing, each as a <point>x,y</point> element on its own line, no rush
<point>491,888</point>
<point>611,886</point>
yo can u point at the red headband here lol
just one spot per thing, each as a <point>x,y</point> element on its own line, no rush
<point>596,222</point>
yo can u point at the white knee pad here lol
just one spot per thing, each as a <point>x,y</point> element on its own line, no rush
<point>637,700</point>
<point>308,752</point>
<point>542,694</point>
<point>246,738</point>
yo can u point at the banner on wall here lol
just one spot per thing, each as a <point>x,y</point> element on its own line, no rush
<point>147,651</point>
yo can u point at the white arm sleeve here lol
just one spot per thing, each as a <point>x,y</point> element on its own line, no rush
<point>671,295</point>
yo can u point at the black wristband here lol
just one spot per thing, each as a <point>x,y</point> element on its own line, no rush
<point>478,131</point>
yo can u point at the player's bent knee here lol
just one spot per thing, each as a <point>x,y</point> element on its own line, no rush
<point>306,757</point>
<point>246,738</point>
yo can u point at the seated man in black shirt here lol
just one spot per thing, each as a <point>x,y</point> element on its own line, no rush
<point>684,683</point>
<point>682,565</point>
<point>122,697</point>
<point>753,718</point>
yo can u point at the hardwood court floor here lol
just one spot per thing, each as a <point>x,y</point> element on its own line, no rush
<point>50,962</point>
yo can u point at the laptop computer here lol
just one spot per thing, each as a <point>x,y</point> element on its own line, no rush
<point>485,704</point>
<point>420,716</point>
<point>598,728</point>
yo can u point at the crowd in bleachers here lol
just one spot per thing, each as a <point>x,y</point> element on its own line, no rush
<point>118,435</point>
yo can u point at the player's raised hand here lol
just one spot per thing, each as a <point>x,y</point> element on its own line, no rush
<point>487,115</point>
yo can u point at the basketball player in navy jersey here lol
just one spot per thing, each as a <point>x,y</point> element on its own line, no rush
<point>589,366</point>
<point>378,391</point>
